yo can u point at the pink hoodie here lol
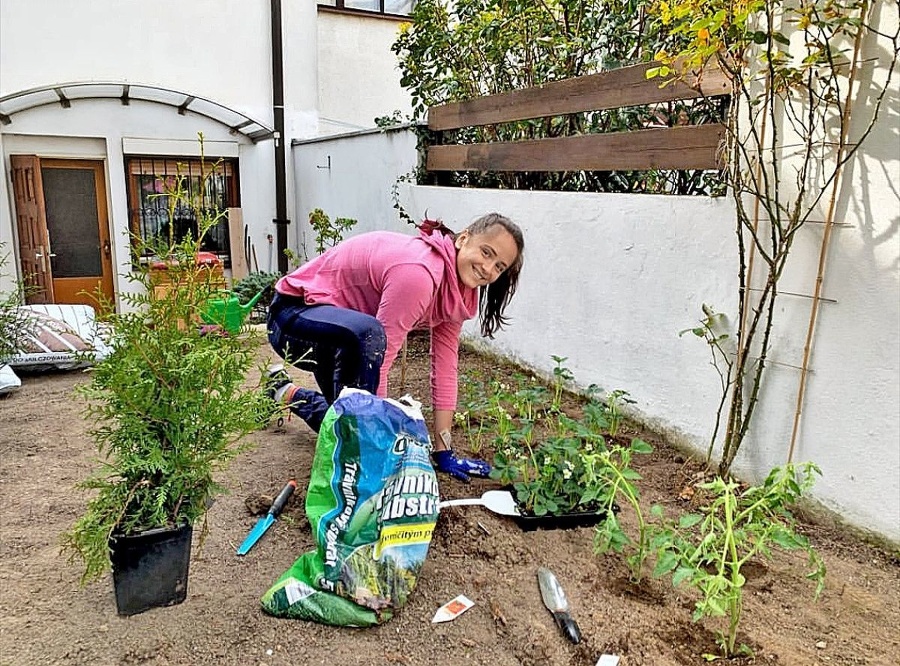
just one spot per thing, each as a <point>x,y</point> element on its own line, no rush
<point>406,282</point>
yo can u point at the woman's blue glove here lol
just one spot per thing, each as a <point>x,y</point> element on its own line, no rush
<point>460,468</point>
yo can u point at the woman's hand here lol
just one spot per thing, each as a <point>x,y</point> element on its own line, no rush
<point>444,458</point>
<point>460,468</point>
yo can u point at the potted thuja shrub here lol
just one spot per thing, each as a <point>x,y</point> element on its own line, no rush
<point>168,408</point>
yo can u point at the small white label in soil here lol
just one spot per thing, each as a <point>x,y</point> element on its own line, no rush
<point>453,609</point>
<point>608,660</point>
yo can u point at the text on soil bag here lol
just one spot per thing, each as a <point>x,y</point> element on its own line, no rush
<point>348,489</point>
<point>404,535</point>
<point>409,496</point>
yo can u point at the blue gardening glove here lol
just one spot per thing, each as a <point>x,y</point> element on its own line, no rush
<point>460,468</point>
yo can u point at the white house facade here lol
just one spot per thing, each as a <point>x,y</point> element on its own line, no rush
<point>99,99</point>
<point>610,280</point>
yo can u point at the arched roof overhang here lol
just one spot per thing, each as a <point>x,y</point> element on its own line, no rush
<point>65,94</point>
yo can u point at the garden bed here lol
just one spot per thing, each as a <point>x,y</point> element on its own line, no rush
<point>48,619</point>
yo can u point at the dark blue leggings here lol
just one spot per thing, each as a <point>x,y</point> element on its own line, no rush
<point>340,347</point>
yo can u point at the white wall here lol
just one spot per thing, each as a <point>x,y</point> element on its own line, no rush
<point>610,280</point>
<point>351,176</point>
<point>358,75</point>
<point>212,48</point>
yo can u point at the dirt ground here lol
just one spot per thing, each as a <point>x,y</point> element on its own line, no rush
<point>47,618</point>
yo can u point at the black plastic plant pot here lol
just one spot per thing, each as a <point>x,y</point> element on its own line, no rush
<point>150,569</point>
<point>564,521</point>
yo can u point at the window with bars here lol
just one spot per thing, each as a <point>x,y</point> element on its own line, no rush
<point>149,205</point>
<point>386,7</point>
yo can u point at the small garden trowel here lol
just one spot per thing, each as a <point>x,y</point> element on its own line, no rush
<point>498,501</point>
<point>556,602</point>
<point>266,521</point>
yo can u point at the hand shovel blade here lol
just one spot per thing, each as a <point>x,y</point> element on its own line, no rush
<point>266,521</point>
<point>256,533</point>
<point>498,501</point>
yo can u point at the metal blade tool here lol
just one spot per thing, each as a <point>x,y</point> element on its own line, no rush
<point>556,602</point>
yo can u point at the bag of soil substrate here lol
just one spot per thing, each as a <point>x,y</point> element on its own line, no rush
<point>372,505</point>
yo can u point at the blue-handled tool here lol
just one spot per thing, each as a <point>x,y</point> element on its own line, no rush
<point>266,521</point>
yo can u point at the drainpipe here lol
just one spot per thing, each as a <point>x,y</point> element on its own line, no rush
<point>281,219</point>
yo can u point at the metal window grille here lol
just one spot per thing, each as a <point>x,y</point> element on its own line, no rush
<point>148,179</point>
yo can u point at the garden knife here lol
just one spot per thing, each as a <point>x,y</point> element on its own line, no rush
<point>555,601</point>
<point>263,524</point>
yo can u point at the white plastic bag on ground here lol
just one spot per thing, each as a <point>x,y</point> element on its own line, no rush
<point>9,382</point>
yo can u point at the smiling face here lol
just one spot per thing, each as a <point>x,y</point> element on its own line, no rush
<point>482,257</point>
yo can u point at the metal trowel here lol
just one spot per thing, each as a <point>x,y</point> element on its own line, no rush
<point>556,602</point>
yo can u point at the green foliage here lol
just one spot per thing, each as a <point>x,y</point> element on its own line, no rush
<point>168,406</point>
<point>471,48</point>
<point>792,65</point>
<point>394,118</point>
<point>293,258</point>
<point>246,288</point>
<point>556,464</point>
<point>708,549</point>
<point>328,233</point>
<point>609,535</point>
<point>14,322</point>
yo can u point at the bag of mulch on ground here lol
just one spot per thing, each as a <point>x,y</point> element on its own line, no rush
<point>372,505</point>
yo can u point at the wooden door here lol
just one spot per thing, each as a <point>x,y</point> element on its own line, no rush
<point>75,225</point>
<point>34,241</point>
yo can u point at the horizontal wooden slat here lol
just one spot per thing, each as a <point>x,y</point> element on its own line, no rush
<point>694,147</point>
<point>614,89</point>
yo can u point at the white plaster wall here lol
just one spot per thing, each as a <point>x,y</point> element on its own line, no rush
<point>610,280</point>
<point>217,49</point>
<point>364,167</point>
<point>358,75</point>
<point>300,51</point>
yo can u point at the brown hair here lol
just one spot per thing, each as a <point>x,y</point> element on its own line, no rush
<point>494,298</point>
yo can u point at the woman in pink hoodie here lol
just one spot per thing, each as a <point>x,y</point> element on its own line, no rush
<point>345,314</point>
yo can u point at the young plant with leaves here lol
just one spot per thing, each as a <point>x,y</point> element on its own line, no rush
<point>609,536</point>
<point>708,549</point>
<point>554,462</point>
<point>168,406</point>
<point>793,67</point>
<point>329,232</point>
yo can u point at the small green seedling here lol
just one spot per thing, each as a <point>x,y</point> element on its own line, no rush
<point>609,535</point>
<point>707,550</point>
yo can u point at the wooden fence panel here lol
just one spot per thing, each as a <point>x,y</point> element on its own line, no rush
<point>692,147</point>
<point>614,89</point>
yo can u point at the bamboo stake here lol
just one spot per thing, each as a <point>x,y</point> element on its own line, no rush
<point>826,238</point>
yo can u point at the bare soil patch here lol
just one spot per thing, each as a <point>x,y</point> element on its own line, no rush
<point>47,618</point>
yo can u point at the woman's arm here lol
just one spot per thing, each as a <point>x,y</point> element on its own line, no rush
<point>407,291</point>
<point>444,387</point>
<point>443,422</point>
